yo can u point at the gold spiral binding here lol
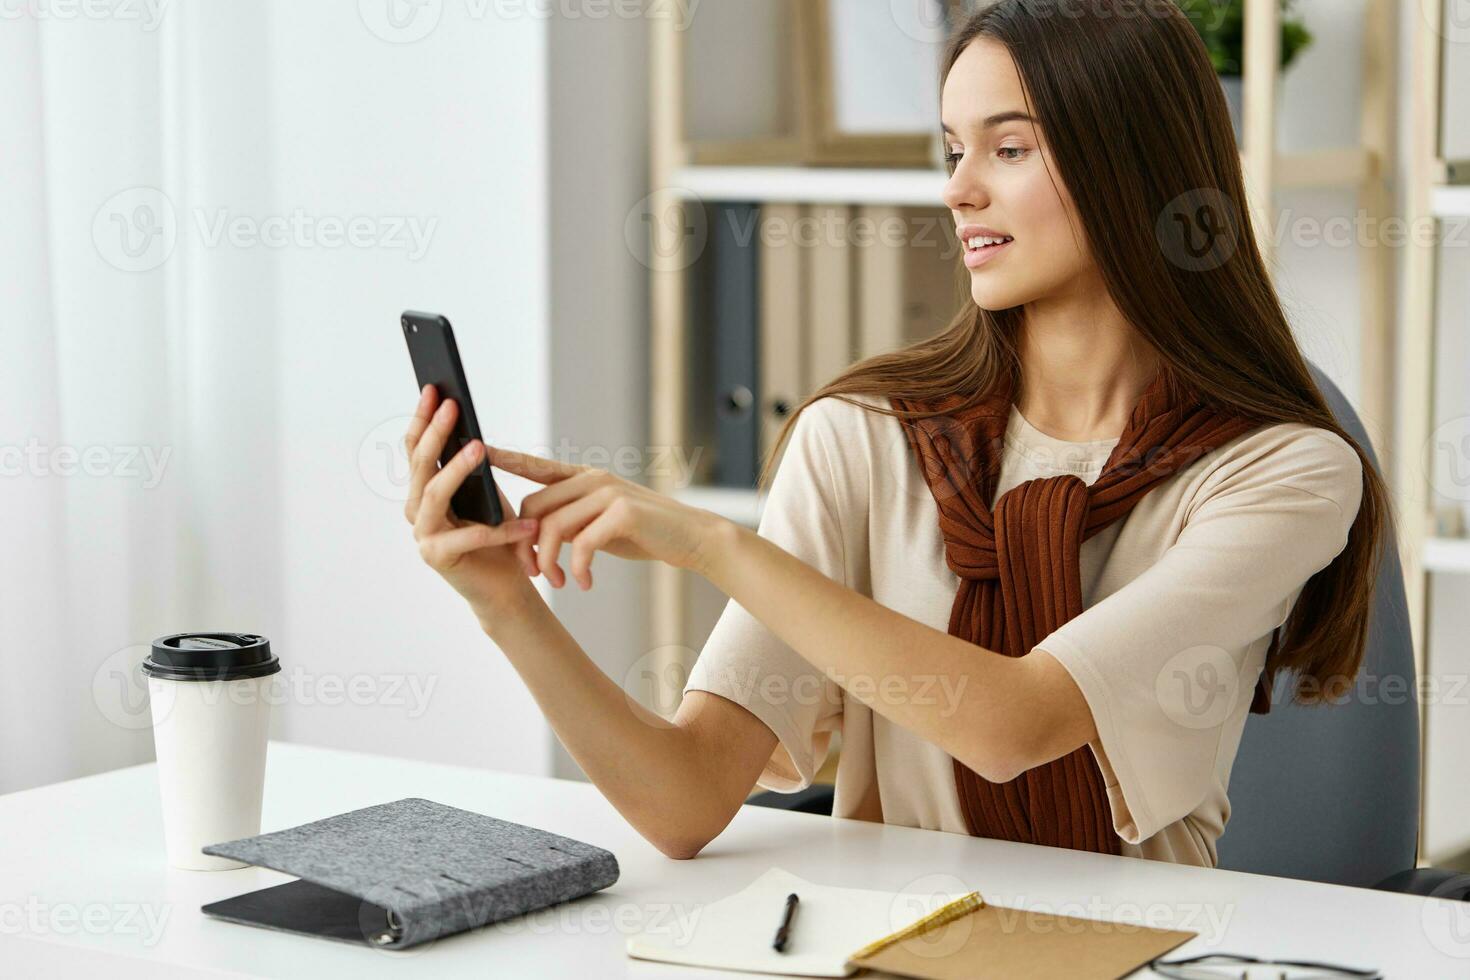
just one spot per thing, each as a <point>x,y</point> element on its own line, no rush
<point>941,916</point>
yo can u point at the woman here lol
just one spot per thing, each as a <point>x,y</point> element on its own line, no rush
<point>1031,569</point>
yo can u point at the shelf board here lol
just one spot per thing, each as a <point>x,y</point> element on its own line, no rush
<point>1341,167</point>
<point>924,187</point>
<point>734,503</point>
<point>1451,202</point>
<point>1447,555</point>
<point>813,185</point>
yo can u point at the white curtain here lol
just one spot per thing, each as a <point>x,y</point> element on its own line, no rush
<point>183,415</point>
<point>133,417</point>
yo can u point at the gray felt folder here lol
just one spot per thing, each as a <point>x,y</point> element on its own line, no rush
<point>402,873</point>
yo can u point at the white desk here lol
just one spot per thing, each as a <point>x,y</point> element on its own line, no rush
<point>82,868</point>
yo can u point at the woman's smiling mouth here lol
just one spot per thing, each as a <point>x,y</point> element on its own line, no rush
<point>980,249</point>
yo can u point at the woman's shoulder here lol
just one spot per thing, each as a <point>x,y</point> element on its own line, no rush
<point>1288,456</point>
<point>849,406</point>
<point>1293,444</point>
<point>863,449</point>
<point>847,415</point>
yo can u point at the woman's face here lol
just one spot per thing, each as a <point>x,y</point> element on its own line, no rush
<point>1000,182</point>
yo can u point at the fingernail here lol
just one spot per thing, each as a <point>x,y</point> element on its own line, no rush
<point>529,524</point>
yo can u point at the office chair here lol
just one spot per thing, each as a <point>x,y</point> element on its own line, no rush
<point>1327,793</point>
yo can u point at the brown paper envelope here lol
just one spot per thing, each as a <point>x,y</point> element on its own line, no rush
<point>978,941</point>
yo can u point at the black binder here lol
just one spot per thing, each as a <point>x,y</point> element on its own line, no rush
<point>734,315</point>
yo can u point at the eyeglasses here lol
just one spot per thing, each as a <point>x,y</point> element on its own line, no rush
<point>1227,966</point>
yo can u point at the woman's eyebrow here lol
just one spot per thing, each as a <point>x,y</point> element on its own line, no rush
<point>1010,115</point>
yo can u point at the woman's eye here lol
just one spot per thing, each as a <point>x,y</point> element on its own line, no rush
<point>952,157</point>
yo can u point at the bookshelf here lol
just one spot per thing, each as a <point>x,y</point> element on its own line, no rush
<point>1431,563</point>
<point>811,185</point>
<point>740,506</point>
<point>1449,202</point>
<point>677,178</point>
<point>1447,555</point>
<point>921,187</point>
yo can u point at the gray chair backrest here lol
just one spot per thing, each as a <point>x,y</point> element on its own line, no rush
<point>1331,793</point>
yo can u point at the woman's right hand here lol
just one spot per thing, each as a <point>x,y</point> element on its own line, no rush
<point>489,566</point>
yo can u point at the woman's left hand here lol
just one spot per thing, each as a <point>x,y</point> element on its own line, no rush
<point>598,511</point>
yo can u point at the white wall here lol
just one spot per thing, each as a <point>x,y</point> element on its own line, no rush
<point>449,130</point>
<point>524,140</point>
<point>598,173</point>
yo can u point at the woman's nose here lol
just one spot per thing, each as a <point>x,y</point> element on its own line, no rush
<point>963,192</point>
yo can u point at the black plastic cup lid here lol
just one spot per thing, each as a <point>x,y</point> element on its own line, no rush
<point>210,657</point>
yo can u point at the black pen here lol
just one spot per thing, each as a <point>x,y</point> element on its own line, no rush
<point>779,945</point>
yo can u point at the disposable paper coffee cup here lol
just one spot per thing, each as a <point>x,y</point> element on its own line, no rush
<point>208,694</point>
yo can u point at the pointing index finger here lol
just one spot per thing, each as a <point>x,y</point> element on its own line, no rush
<point>536,468</point>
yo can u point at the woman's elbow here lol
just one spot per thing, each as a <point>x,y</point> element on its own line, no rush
<point>1004,760</point>
<point>681,842</point>
<point>680,849</point>
<point>1049,719</point>
<point>996,771</point>
<point>998,761</point>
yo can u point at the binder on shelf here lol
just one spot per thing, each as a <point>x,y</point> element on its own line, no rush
<point>789,297</point>
<point>782,280</point>
<point>830,294</point>
<point>908,280</point>
<point>734,252</point>
<point>698,358</point>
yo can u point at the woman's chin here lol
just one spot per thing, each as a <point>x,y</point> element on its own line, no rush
<point>989,297</point>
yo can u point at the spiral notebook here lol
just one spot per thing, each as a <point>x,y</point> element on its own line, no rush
<point>838,931</point>
<point>402,873</point>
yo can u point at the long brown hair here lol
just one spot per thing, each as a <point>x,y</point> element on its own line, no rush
<point>1135,118</point>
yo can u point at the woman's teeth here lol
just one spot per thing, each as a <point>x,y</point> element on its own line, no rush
<point>980,241</point>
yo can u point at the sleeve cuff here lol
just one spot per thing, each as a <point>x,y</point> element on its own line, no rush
<point>792,765</point>
<point>1133,819</point>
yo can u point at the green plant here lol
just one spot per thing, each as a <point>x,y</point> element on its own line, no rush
<point>1221,23</point>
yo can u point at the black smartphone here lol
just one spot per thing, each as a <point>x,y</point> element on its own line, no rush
<point>436,362</point>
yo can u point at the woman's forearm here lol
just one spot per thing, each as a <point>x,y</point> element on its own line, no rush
<point>657,774</point>
<point>996,714</point>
